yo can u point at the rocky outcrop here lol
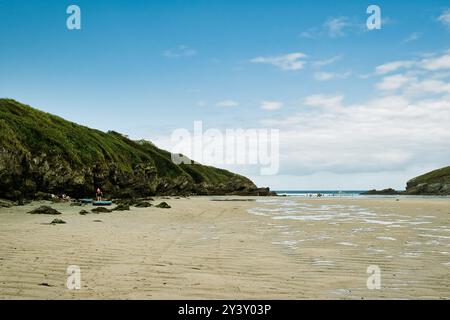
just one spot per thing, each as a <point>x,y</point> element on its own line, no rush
<point>388,191</point>
<point>436,182</point>
<point>260,192</point>
<point>45,210</point>
<point>41,154</point>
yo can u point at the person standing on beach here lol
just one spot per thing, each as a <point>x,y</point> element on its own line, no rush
<point>99,194</point>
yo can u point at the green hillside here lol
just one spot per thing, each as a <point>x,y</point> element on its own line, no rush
<point>43,152</point>
<point>434,182</point>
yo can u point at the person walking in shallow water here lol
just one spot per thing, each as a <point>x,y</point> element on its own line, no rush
<point>99,194</point>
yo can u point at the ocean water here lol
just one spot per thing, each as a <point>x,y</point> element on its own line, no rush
<point>347,194</point>
<point>323,193</point>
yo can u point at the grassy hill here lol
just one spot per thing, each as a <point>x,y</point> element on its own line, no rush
<point>40,152</point>
<point>434,182</point>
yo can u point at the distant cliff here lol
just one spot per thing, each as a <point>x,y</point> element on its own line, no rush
<point>436,182</point>
<point>43,153</point>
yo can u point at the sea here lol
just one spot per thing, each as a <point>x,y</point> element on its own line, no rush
<point>320,193</point>
<point>346,194</point>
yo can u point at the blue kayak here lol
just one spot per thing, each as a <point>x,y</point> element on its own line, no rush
<point>102,203</point>
<point>86,200</point>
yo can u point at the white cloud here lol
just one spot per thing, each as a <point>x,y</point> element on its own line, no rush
<point>271,105</point>
<point>290,62</point>
<point>322,63</point>
<point>227,103</point>
<point>393,66</point>
<point>309,34</point>
<point>394,82</point>
<point>320,100</point>
<point>430,86</point>
<point>386,134</point>
<point>180,51</point>
<point>444,18</point>
<point>412,37</point>
<point>335,26</point>
<point>324,76</point>
<point>437,63</point>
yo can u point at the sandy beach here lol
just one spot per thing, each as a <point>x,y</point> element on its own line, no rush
<point>220,248</point>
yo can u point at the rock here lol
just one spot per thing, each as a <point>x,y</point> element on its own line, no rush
<point>83,212</point>
<point>58,221</point>
<point>258,192</point>
<point>6,204</point>
<point>76,204</point>
<point>45,210</point>
<point>163,205</point>
<point>388,191</point>
<point>143,204</point>
<point>101,210</point>
<point>122,207</point>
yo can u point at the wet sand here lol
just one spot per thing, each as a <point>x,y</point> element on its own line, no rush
<point>271,248</point>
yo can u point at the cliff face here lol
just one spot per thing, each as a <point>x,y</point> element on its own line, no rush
<point>436,182</point>
<point>40,152</point>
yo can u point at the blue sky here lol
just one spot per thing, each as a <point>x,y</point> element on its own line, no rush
<point>145,68</point>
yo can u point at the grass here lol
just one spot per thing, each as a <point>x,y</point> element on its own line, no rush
<point>28,131</point>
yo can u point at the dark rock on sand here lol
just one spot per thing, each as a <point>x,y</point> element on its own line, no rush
<point>57,221</point>
<point>6,204</point>
<point>122,207</point>
<point>143,204</point>
<point>83,212</point>
<point>45,210</point>
<point>163,205</point>
<point>76,204</point>
<point>101,210</point>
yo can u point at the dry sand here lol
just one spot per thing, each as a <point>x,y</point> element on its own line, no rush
<point>203,249</point>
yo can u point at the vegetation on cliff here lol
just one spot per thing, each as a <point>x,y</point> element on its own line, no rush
<point>436,182</point>
<point>40,152</point>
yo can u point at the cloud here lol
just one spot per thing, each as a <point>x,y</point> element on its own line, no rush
<point>437,63</point>
<point>288,62</point>
<point>325,76</point>
<point>227,103</point>
<point>394,82</point>
<point>412,37</point>
<point>179,52</point>
<point>271,105</point>
<point>309,34</point>
<point>322,63</point>
<point>320,100</point>
<point>393,66</point>
<point>444,18</point>
<point>335,26</point>
<point>404,126</point>
<point>387,134</point>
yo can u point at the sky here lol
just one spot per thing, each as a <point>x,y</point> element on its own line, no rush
<point>355,108</point>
